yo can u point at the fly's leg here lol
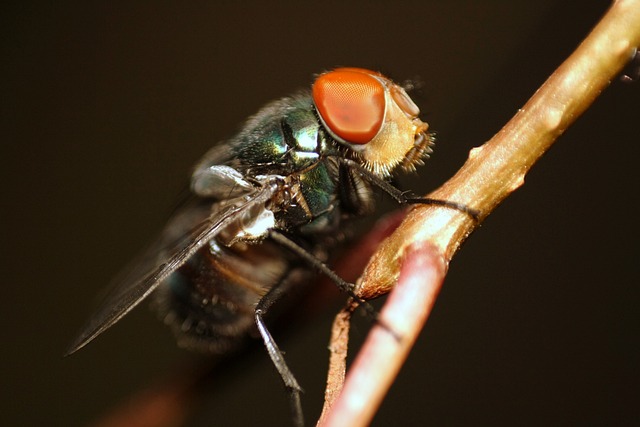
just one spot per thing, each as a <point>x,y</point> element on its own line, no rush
<point>276,355</point>
<point>403,197</point>
<point>314,262</point>
<point>323,268</point>
<point>473,213</point>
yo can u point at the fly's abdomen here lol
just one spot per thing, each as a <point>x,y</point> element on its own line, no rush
<point>210,301</point>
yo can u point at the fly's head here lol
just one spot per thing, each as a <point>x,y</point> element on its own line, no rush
<point>373,117</point>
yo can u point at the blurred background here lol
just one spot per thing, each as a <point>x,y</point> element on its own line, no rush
<point>105,108</point>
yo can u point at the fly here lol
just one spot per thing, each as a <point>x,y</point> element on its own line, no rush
<point>267,205</point>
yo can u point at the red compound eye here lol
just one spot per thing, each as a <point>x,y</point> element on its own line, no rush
<point>351,102</point>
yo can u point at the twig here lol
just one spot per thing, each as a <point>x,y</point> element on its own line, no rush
<point>338,358</point>
<point>409,303</point>
<point>492,172</point>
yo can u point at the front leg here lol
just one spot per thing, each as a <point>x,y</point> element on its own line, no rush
<point>404,197</point>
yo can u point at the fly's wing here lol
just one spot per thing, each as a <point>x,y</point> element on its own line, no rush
<point>176,245</point>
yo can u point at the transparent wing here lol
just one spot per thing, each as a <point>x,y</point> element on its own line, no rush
<point>176,245</point>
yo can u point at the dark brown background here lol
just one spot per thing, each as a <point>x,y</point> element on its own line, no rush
<point>105,108</point>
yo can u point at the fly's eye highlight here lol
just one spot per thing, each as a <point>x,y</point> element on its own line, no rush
<point>351,103</point>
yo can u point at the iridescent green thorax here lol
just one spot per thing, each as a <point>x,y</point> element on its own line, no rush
<point>285,137</point>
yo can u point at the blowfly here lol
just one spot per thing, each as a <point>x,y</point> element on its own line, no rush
<point>267,205</point>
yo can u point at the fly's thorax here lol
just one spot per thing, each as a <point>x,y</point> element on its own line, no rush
<point>283,138</point>
<point>307,202</point>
